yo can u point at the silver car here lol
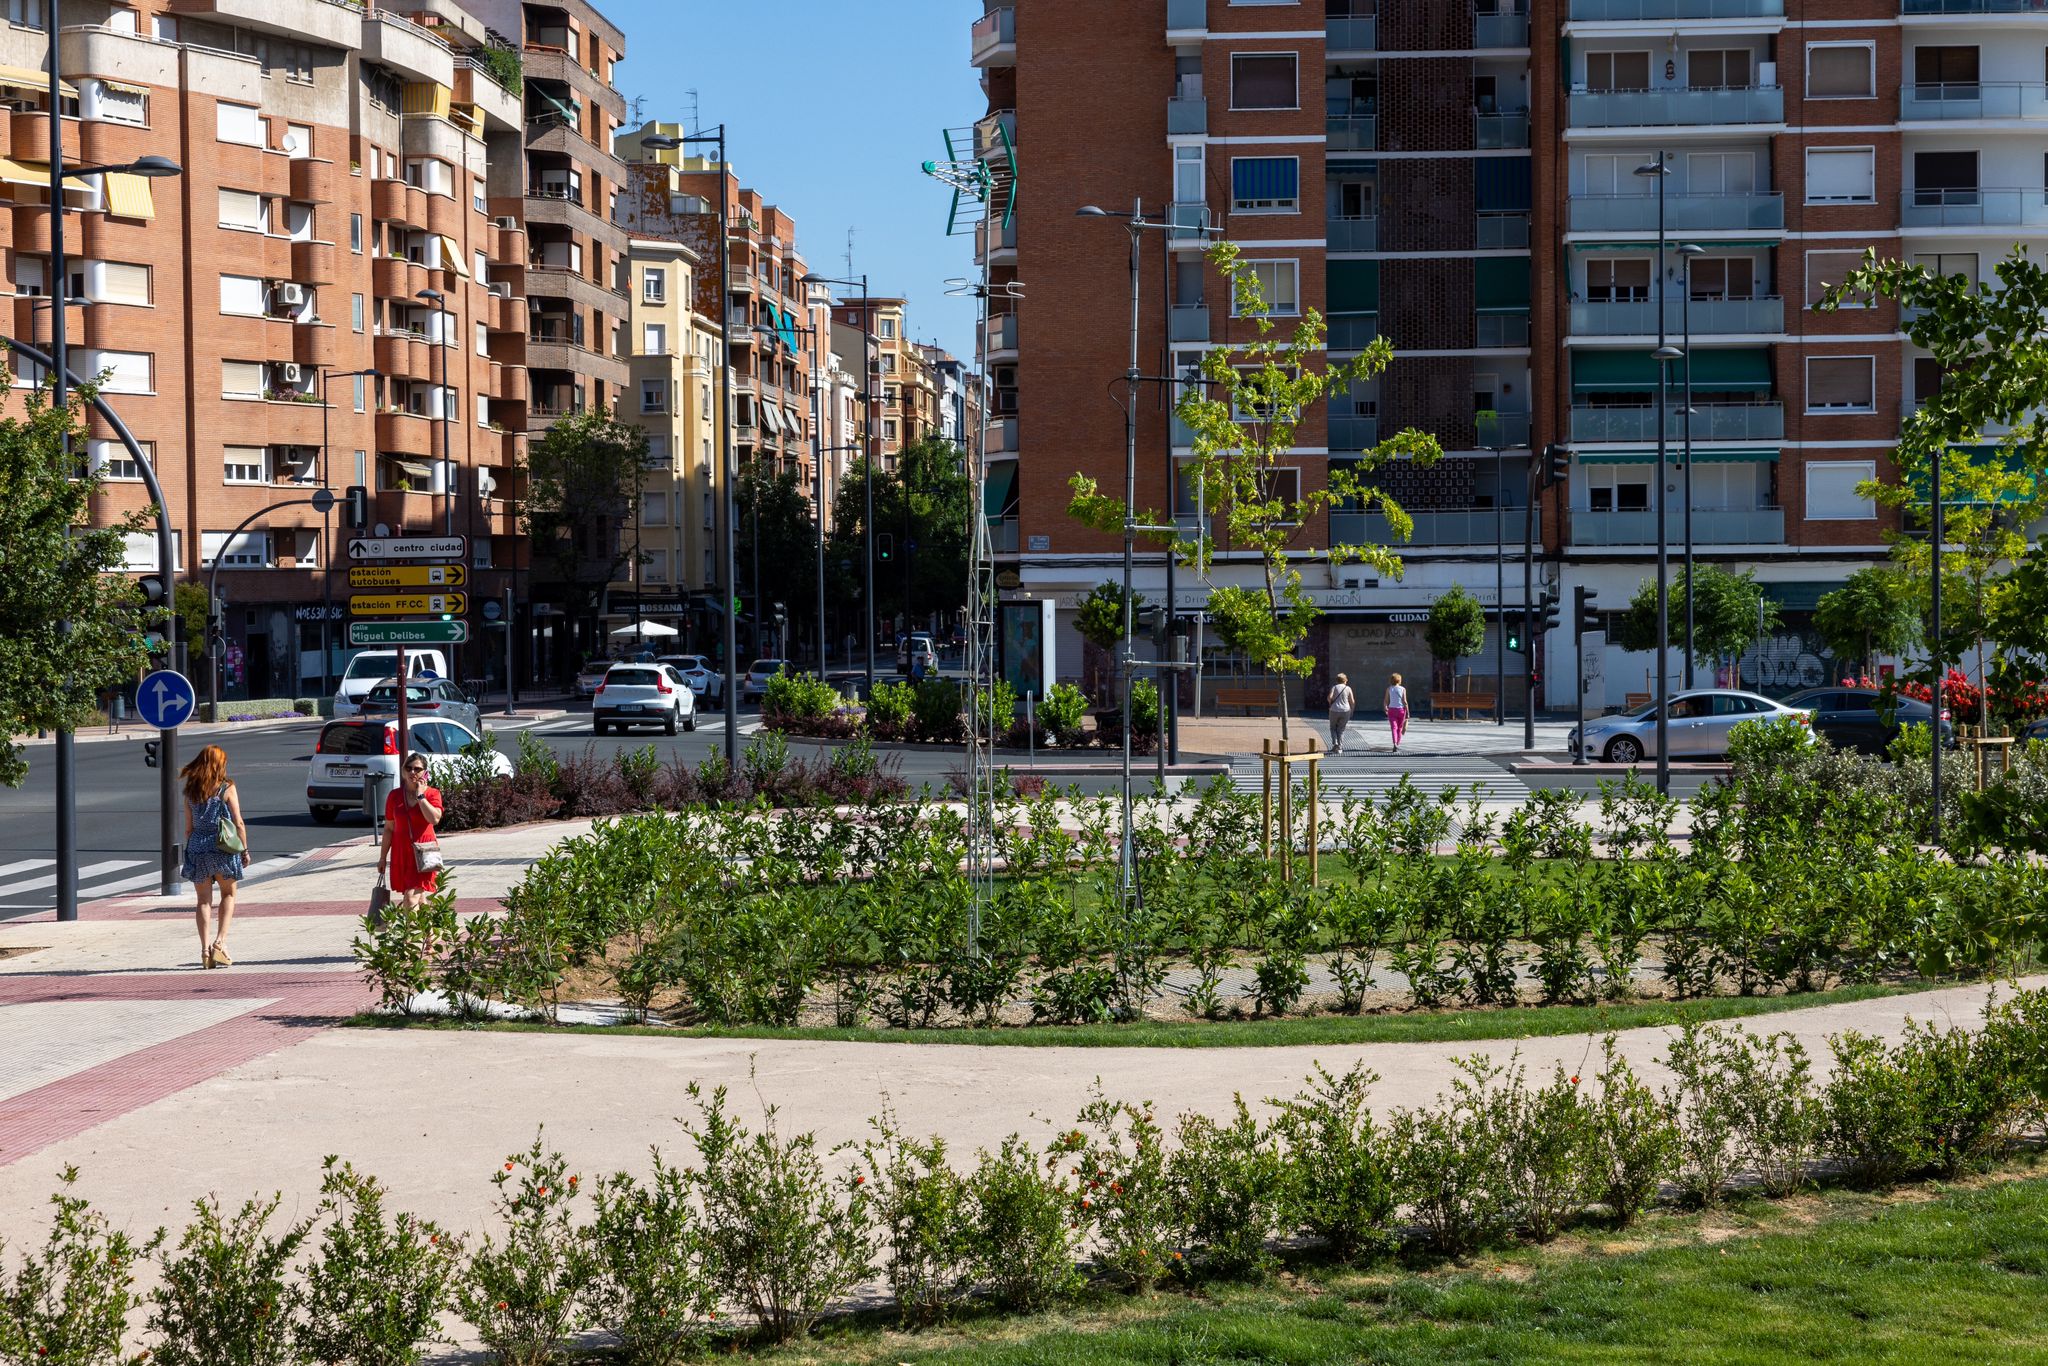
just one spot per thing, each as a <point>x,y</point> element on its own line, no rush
<point>424,698</point>
<point>1698,725</point>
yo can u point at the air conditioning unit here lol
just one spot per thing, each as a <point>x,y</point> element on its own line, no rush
<point>291,372</point>
<point>291,295</point>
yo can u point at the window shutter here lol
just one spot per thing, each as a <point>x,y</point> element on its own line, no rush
<point>1263,81</point>
<point>1838,382</point>
<point>241,294</point>
<point>1840,173</point>
<point>241,209</point>
<point>239,123</point>
<point>1831,490</point>
<point>1838,71</point>
<point>241,378</point>
<point>123,283</point>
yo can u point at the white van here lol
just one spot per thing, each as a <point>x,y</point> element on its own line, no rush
<point>372,667</point>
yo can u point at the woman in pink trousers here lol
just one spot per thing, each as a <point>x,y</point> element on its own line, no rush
<point>1397,709</point>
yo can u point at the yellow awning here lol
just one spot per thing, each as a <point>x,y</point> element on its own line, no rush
<point>129,195</point>
<point>124,87</point>
<point>453,255</point>
<point>427,97</point>
<point>22,78</point>
<point>14,172</point>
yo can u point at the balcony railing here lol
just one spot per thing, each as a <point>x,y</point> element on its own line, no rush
<point>1509,128</point>
<point>1352,331</point>
<point>1710,526</point>
<point>1975,100</point>
<point>991,132</point>
<point>1435,527</point>
<point>1353,234</point>
<point>1189,323</point>
<point>1638,317</point>
<point>1354,431</point>
<point>992,40</point>
<point>1002,535</point>
<point>1968,7</point>
<point>1190,222</point>
<point>1503,430</point>
<point>1710,422</point>
<point>1498,230</point>
<point>1187,15</point>
<point>1187,114</point>
<point>1500,30</point>
<point>1624,11</point>
<point>1675,108</point>
<point>1755,212</point>
<point>1352,132</point>
<point>1355,34</point>
<point>1497,331</point>
<point>1973,208</point>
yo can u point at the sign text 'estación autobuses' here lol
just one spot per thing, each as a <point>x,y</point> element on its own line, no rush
<point>389,576</point>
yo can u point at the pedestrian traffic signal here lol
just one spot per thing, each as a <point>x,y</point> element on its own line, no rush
<point>1589,618</point>
<point>358,507</point>
<point>151,753</point>
<point>1557,463</point>
<point>1158,622</point>
<point>885,547</point>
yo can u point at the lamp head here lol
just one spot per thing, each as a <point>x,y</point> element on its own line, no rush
<point>432,296</point>
<point>1093,211</point>
<point>661,142</point>
<point>1667,353</point>
<point>1692,249</point>
<point>156,167</point>
<point>1656,167</point>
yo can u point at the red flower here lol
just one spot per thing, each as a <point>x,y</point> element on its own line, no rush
<point>508,1166</point>
<point>860,1180</point>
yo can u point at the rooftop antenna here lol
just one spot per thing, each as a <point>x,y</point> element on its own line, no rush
<point>849,253</point>
<point>636,111</point>
<point>691,114</point>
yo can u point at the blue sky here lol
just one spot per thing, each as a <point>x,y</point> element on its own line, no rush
<point>831,108</point>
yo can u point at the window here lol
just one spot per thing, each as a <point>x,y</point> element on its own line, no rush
<point>1617,488</point>
<point>889,368</point>
<point>362,462</point>
<point>483,340</point>
<point>889,429</point>
<point>1946,263</point>
<point>1927,373</point>
<point>127,372</point>
<point>238,123</point>
<point>241,379</point>
<point>355,312</point>
<point>250,550</point>
<point>653,396</point>
<point>241,294</point>
<point>1279,282</point>
<point>888,333</point>
<point>1840,71</point>
<point>654,339</point>
<point>1283,485</point>
<point>1617,71</point>
<point>1831,490</point>
<point>1618,279</point>
<point>1945,73</point>
<point>121,282</point>
<point>1841,384</point>
<point>1714,173</point>
<point>653,285</point>
<point>1723,277</point>
<point>362,398</point>
<point>1945,177</point>
<point>298,140</point>
<point>114,102</point>
<point>355,233</point>
<point>245,465</point>
<point>243,211</point>
<point>654,509</point>
<point>1824,268</point>
<point>483,410</point>
<point>477,200</point>
<point>657,451</point>
<point>110,460</point>
<point>1841,175</point>
<point>1718,69</point>
<point>1264,80</point>
<point>1265,184</point>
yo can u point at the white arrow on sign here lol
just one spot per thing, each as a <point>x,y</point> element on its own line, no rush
<point>408,548</point>
<point>169,709</point>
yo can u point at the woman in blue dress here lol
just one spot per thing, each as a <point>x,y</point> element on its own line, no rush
<point>211,806</point>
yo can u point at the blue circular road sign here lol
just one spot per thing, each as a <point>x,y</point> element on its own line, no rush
<point>166,699</point>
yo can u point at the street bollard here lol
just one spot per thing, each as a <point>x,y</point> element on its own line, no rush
<point>375,786</point>
<point>1031,729</point>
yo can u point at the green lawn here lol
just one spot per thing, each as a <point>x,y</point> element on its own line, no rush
<point>1959,1278</point>
<point>1448,1026</point>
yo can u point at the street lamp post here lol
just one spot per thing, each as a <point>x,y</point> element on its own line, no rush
<point>1934,540</point>
<point>1500,589</point>
<point>1688,253</point>
<point>868,453</point>
<point>1663,355</point>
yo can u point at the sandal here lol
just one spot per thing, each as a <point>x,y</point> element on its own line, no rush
<point>206,959</point>
<point>220,957</point>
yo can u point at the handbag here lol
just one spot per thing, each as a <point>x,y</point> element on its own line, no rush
<point>380,898</point>
<point>228,835</point>
<point>426,855</point>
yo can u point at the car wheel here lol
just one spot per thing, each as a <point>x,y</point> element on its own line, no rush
<point>598,728</point>
<point>669,727</point>
<point>690,724</point>
<point>1624,749</point>
<point>326,815</point>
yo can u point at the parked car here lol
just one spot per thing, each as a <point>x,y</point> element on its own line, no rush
<point>350,750</point>
<point>1864,718</point>
<point>424,698</point>
<point>643,695</point>
<point>591,675</point>
<point>708,683</point>
<point>914,648</point>
<point>755,684</point>
<point>1699,724</point>
<point>371,667</point>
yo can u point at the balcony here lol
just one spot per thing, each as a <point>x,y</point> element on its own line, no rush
<point>1500,331</point>
<point>1190,223</point>
<point>1507,129</point>
<point>1501,230</point>
<point>1002,535</point>
<point>1352,331</point>
<point>1002,337</point>
<point>995,242</point>
<point>1709,317</point>
<point>1434,527</point>
<point>1977,100</point>
<point>1188,323</point>
<point>1352,234</point>
<point>1187,116</point>
<point>1675,108</point>
<point>1663,11</point>
<point>996,134</point>
<point>1500,430</point>
<point>1710,526</point>
<point>1491,31</point>
<point>1002,434</point>
<point>992,41</point>
<point>1352,132</point>
<point>1187,16</point>
<point>1968,7</point>
<point>1359,33</point>
<point>1710,422</point>
<point>1973,208</point>
<point>1354,431</point>
<point>1683,213</point>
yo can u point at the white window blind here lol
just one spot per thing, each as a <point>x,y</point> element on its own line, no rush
<point>244,465</point>
<point>110,460</point>
<point>241,294</point>
<point>241,379</point>
<point>250,550</point>
<point>123,283</point>
<point>127,372</point>
<point>238,123</point>
<point>241,209</point>
<point>119,103</point>
<point>1831,490</point>
<point>1841,175</point>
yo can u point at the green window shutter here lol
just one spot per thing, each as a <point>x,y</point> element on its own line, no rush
<point>1354,286</point>
<point>1613,371</point>
<point>1743,368</point>
<point>1500,284</point>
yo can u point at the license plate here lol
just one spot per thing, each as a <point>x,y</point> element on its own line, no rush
<point>346,770</point>
<point>632,706</point>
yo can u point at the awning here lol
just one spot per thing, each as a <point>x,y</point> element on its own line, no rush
<point>129,195</point>
<point>426,97</point>
<point>14,172</point>
<point>1354,286</point>
<point>1264,179</point>
<point>1675,453</point>
<point>1651,245</point>
<point>1613,371</point>
<point>1500,284</point>
<point>1797,597</point>
<point>123,87</point>
<point>999,492</point>
<point>453,256</point>
<point>418,469</point>
<point>771,418</point>
<point>1746,368</point>
<point>22,78</point>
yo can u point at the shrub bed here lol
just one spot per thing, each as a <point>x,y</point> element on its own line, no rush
<point>935,711</point>
<point>766,1232</point>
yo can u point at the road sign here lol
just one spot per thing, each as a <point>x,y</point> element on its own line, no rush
<point>408,632</point>
<point>405,576</point>
<point>408,547</point>
<point>166,699</point>
<point>408,604</point>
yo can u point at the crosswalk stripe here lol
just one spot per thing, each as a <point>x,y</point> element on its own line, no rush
<point>110,878</point>
<point>23,866</point>
<point>1338,782</point>
<point>90,871</point>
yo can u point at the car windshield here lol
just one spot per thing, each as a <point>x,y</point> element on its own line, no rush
<point>632,678</point>
<point>343,737</point>
<point>765,666</point>
<point>372,666</point>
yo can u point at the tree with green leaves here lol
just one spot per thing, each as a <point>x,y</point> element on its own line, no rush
<point>585,477</point>
<point>1983,423</point>
<point>924,504</point>
<point>1100,620</point>
<point>1244,416</point>
<point>778,550</point>
<point>1875,612</point>
<point>1457,627</point>
<point>1729,611</point>
<point>70,624</point>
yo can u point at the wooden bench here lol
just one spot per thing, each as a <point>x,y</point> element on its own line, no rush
<point>1264,699</point>
<point>1635,699</point>
<point>1452,703</point>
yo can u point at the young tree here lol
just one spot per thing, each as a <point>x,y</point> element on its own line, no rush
<point>1729,611</point>
<point>778,549</point>
<point>1875,612</point>
<point>1244,417</point>
<point>1456,628</point>
<point>70,624</point>
<point>584,479</point>
<point>1100,620</point>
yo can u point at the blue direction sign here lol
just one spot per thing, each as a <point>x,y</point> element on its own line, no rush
<point>166,699</point>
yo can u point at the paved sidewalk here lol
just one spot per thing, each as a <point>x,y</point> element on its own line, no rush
<point>1224,736</point>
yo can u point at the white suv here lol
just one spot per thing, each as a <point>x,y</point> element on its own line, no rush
<point>642,695</point>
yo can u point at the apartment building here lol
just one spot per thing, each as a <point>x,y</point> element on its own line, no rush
<point>330,218</point>
<point>674,398</point>
<point>1481,186</point>
<point>906,393</point>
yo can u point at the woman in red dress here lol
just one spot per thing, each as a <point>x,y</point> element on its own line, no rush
<point>410,813</point>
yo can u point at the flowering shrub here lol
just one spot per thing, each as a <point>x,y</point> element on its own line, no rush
<point>922,1209</point>
<point>1121,1166</point>
<point>1228,1187</point>
<point>2015,702</point>
<point>225,1298</point>
<point>375,1293</point>
<point>1027,1223</point>
<point>68,1303</point>
<point>1338,1181</point>
<point>651,1278</point>
<point>523,1289</point>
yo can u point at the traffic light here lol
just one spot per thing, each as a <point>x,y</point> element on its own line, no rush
<point>1547,612</point>
<point>885,547</point>
<point>358,507</point>
<point>217,626</point>
<point>151,753</point>
<point>1589,618</point>
<point>1557,463</point>
<point>1158,622</point>
<point>152,589</point>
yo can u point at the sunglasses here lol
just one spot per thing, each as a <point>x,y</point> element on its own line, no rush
<point>417,768</point>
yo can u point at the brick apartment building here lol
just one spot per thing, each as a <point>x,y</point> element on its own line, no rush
<point>1468,189</point>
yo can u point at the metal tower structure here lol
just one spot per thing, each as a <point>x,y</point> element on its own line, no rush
<point>980,168</point>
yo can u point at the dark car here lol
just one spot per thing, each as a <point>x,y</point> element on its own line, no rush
<point>1865,719</point>
<point>2034,730</point>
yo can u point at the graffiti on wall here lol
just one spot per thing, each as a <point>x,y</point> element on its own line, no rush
<point>1787,660</point>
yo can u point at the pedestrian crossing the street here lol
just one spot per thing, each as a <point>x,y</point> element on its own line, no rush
<point>1378,777</point>
<point>31,884</point>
